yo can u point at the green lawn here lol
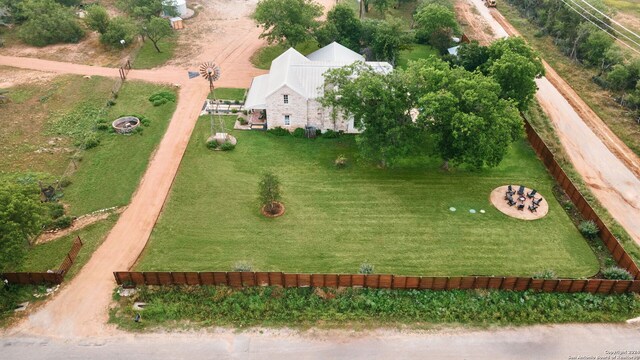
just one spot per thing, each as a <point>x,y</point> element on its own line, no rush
<point>396,219</point>
<point>229,94</point>
<point>109,173</point>
<point>148,57</point>
<point>49,256</point>
<point>263,57</point>
<point>417,51</point>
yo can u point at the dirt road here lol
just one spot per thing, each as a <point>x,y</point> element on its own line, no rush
<point>610,169</point>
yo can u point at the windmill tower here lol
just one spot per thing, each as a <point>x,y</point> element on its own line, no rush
<point>211,72</point>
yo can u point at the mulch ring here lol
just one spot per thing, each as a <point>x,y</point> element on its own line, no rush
<point>498,200</point>
<point>277,211</point>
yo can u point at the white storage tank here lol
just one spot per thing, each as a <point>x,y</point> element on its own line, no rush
<point>180,5</point>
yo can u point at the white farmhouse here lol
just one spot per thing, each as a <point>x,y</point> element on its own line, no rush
<point>287,96</point>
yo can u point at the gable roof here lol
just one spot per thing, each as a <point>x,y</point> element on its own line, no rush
<point>304,75</point>
<point>335,52</point>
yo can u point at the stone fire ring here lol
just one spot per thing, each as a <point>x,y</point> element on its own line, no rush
<point>125,124</point>
<point>498,200</point>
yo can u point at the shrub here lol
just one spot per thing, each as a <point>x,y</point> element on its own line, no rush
<point>48,22</point>
<point>90,141</point>
<point>546,274</point>
<point>616,273</point>
<point>65,181</point>
<point>227,146</point>
<point>56,210</point>
<point>62,222</point>
<point>242,121</point>
<point>341,161</point>
<point>110,103</point>
<point>279,131</point>
<point>212,144</point>
<point>589,229</point>
<point>236,102</point>
<point>365,268</point>
<point>97,18</point>
<point>162,97</point>
<point>242,266</point>
<point>234,111</point>
<point>299,133</point>
<point>119,28</point>
<point>330,134</point>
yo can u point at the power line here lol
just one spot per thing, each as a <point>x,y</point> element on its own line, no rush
<point>610,18</point>
<point>605,24</point>
<point>598,26</point>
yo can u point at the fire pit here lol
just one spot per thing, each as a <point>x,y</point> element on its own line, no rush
<point>126,124</point>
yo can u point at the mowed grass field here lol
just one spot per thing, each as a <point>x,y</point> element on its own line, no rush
<point>396,219</point>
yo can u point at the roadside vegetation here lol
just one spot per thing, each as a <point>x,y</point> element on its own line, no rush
<point>208,306</point>
<point>603,73</point>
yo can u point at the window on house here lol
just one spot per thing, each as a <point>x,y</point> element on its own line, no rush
<point>286,98</point>
<point>287,120</point>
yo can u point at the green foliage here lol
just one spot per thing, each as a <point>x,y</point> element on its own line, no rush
<point>269,191</point>
<point>227,146</point>
<point>12,295</point>
<point>546,274</point>
<point>366,268</point>
<point>89,141</point>
<point>298,132</point>
<point>55,210</point>
<point>242,266</point>
<point>471,56</point>
<point>157,29</point>
<point>212,144</point>
<point>162,97</point>
<point>385,39</point>
<point>342,26</point>
<point>306,307</point>
<point>119,28</point>
<point>381,5</point>
<point>432,19</point>
<point>588,229</point>
<point>62,222</point>
<point>279,131</point>
<point>48,22</point>
<point>287,21</point>
<point>21,217</point>
<point>331,134</point>
<point>616,273</point>
<point>97,18</point>
<point>145,9</point>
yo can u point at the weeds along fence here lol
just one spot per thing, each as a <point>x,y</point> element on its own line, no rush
<point>595,286</point>
<point>249,279</point>
<point>55,277</point>
<point>612,243</point>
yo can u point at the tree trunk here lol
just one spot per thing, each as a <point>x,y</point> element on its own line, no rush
<point>155,44</point>
<point>445,165</point>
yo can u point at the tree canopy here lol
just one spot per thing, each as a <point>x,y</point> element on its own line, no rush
<point>343,26</point>
<point>97,18</point>
<point>157,29</point>
<point>427,108</point>
<point>384,39</point>
<point>145,9</point>
<point>21,216</point>
<point>48,22</point>
<point>435,24</point>
<point>287,21</point>
<point>119,28</point>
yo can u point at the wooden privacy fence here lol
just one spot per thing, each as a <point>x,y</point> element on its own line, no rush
<point>247,279</point>
<point>55,277</point>
<point>611,242</point>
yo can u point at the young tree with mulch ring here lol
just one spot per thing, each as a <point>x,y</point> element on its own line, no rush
<point>270,195</point>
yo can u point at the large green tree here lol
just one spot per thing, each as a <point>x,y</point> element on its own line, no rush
<point>343,26</point>
<point>157,29</point>
<point>432,20</point>
<point>145,9</point>
<point>464,114</point>
<point>384,39</point>
<point>48,22</point>
<point>21,217</point>
<point>287,21</point>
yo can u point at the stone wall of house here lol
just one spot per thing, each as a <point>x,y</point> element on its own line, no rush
<point>277,109</point>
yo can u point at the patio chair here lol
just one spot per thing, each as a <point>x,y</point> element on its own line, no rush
<point>532,193</point>
<point>521,207</point>
<point>510,190</point>
<point>533,208</point>
<point>521,190</point>
<point>537,202</point>
<point>510,201</point>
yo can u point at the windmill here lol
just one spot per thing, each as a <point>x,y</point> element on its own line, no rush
<point>210,71</point>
